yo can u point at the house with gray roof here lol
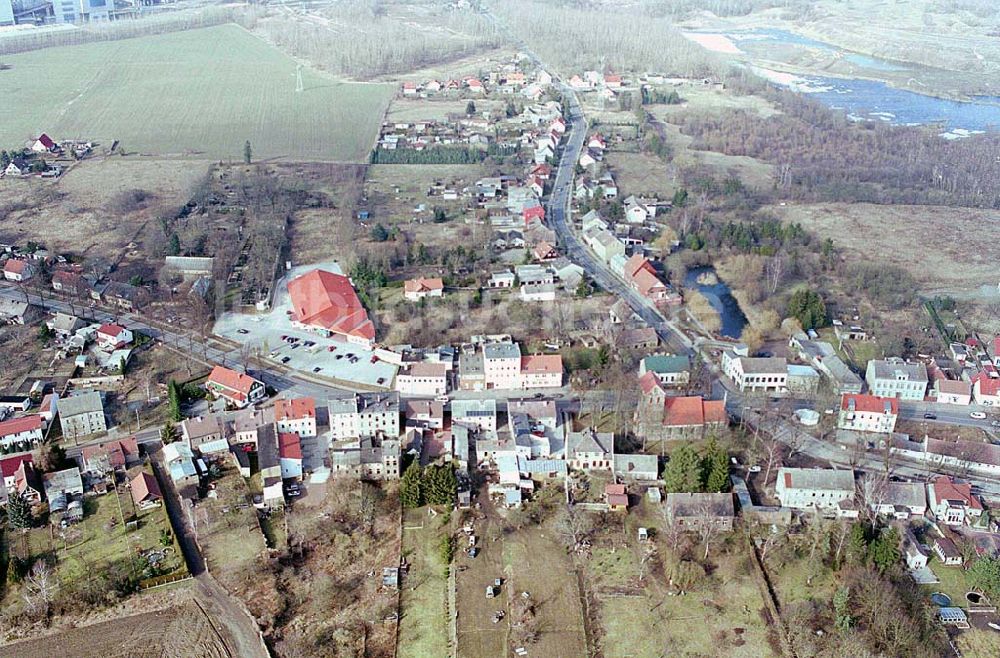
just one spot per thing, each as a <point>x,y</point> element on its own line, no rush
<point>896,378</point>
<point>817,488</point>
<point>692,511</point>
<point>478,413</point>
<point>637,467</point>
<point>81,415</point>
<point>590,450</point>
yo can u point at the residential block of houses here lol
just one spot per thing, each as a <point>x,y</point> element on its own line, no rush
<point>296,415</point>
<point>365,415</point>
<point>80,415</point>
<point>953,503</point>
<point>21,433</point>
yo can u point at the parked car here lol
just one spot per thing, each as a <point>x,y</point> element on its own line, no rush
<point>243,331</point>
<point>286,359</point>
<point>332,348</point>
<point>317,369</point>
<point>978,415</point>
<point>930,416</point>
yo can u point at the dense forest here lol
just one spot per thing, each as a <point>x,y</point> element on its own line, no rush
<point>821,155</point>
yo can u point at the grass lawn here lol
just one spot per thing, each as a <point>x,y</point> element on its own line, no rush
<point>423,626</point>
<point>201,92</point>
<point>227,528</point>
<point>100,540</point>
<point>979,643</point>
<point>952,582</point>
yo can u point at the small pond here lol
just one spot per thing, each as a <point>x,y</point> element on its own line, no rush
<point>705,281</point>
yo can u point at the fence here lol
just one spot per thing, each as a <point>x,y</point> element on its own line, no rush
<point>159,581</point>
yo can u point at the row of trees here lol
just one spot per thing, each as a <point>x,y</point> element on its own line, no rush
<point>434,155</point>
<point>434,485</point>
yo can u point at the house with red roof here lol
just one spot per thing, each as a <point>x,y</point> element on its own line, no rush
<point>111,337</point>
<point>237,389</point>
<point>410,89</point>
<point>612,81</point>
<point>544,251</point>
<point>533,212</point>
<point>290,455</point>
<point>541,371</point>
<point>9,467</point>
<point>536,185</point>
<point>541,172</point>
<point>326,302</point>
<point>867,413</point>
<point>18,270</point>
<point>44,144</point>
<point>996,351</point>
<point>145,491</point>
<point>953,503</point>
<point>24,432</point>
<point>640,273</point>
<point>986,390</point>
<point>68,281</point>
<point>597,142</point>
<point>110,456</point>
<point>420,287</point>
<point>475,85</point>
<point>27,482</point>
<point>296,415</point>
<point>616,497</point>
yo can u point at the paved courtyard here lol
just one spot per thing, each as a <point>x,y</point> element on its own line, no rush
<point>329,357</point>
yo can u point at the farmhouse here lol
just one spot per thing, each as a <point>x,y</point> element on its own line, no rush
<point>693,511</point>
<point>18,270</point>
<point>953,391</point>
<point>44,144</point>
<point>590,450</point>
<point>237,389</point>
<point>416,289</point>
<point>111,456</point>
<point>327,302</point>
<point>900,500</point>
<point>202,429</point>
<point>637,467</point>
<point>986,390</point>
<point>16,311</point>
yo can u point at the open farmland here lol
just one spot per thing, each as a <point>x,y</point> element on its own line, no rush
<point>182,630</point>
<point>201,92</point>
<point>945,249</point>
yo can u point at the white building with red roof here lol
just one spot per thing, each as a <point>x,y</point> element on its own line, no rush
<point>953,503</point>
<point>44,144</point>
<point>420,287</point>
<point>327,302</point>
<point>9,467</point>
<point>24,432</point>
<point>236,388</point>
<point>986,390</point>
<point>868,413</point>
<point>296,415</point>
<point>290,455</point>
<point>18,270</point>
<point>541,371</point>
<point>112,337</point>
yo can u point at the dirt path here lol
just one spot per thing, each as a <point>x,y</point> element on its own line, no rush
<point>221,608</point>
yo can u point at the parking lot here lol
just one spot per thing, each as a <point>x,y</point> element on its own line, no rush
<point>272,334</point>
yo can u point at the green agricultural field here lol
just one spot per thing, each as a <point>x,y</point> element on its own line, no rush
<point>197,93</point>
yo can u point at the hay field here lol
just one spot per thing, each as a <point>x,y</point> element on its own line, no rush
<point>945,249</point>
<point>201,92</point>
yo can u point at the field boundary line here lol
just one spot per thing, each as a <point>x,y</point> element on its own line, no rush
<point>211,624</point>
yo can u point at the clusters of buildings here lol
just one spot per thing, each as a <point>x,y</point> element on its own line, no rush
<point>497,363</point>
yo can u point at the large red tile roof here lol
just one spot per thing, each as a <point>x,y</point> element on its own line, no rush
<point>541,363</point>
<point>143,485</point>
<point>693,410</point>
<point>294,408</point>
<point>22,424</point>
<point>420,284</point>
<point>946,489</point>
<point>327,300</point>
<point>869,403</point>
<point>234,382</point>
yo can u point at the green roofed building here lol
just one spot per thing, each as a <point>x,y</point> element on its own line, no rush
<point>669,369</point>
